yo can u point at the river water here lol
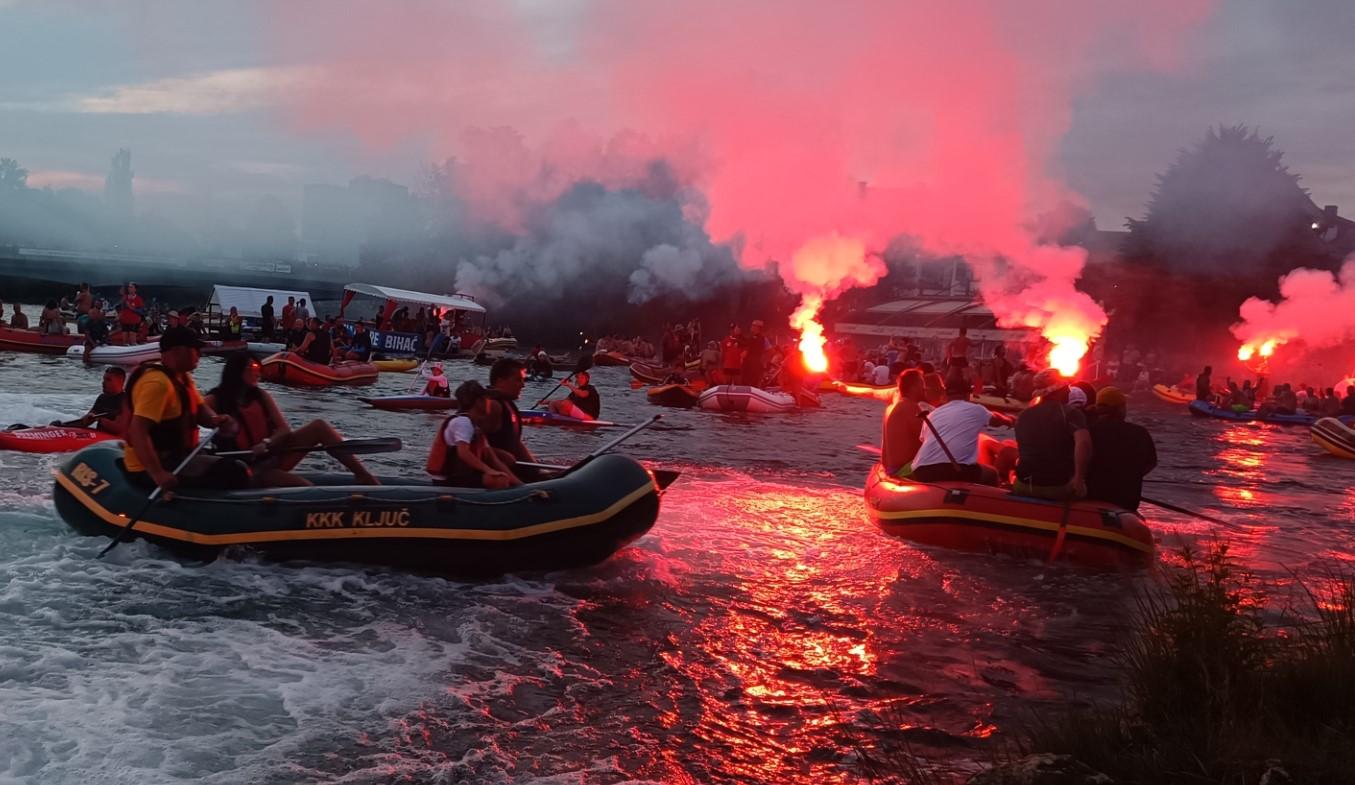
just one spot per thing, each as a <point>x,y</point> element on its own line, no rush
<point>760,632</point>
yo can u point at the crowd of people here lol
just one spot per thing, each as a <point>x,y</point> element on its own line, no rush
<point>1284,398</point>
<point>1072,443</point>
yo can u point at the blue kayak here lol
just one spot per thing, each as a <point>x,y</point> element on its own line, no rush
<point>1206,409</point>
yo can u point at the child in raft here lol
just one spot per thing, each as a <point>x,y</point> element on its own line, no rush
<point>461,455</point>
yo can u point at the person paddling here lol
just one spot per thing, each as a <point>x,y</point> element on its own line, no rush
<point>437,386</point>
<point>166,410</point>
<point>109,413</point>
<point>461,454</point>
<point>263,429</point>
<point>583,402</point>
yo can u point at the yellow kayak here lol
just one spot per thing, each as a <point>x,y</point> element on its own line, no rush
<point>1335,437</point>
<point>401,365</point>
<point>1173,394</point>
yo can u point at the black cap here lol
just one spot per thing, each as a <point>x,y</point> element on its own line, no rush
<point>180,336</point>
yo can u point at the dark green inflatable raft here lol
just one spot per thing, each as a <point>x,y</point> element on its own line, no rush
<point>571,521</point>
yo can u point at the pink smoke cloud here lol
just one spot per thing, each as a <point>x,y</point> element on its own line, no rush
<point>1315,306</point>
<point>798,120</point>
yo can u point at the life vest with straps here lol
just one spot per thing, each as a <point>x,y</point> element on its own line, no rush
<point>252,417</point>
<point>508,436</point>
<point>442,458</point>
<point>173,439</point>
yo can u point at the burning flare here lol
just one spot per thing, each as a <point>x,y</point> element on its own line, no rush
<point>1249,350</point>
<point>811,334</point>
<point>1066,354</point>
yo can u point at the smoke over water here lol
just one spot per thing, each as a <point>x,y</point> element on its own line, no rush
<point>816,132</point>
<point>1315,306</point>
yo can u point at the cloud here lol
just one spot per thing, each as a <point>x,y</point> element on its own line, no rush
<point>86,181</point>
<point>214,92</point>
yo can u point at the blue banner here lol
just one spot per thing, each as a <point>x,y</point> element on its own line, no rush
<point>390,342</point>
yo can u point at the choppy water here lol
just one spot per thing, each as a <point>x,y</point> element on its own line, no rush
<point>760,628</point>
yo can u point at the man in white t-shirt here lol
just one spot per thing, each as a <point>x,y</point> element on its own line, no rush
<point>959,423</point>
<point>881,375</point>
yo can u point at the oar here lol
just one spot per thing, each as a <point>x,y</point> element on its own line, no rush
<point>351,446</point>
<point>155,494</point>
<point>664,477</point>
<point>614,442</point>
<point>1184,511</point>
<point>585,362</point>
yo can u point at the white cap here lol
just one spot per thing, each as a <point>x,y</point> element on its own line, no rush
<point>1077,396</point>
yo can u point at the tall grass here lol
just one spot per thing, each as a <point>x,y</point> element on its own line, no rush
<point>1215,693</point>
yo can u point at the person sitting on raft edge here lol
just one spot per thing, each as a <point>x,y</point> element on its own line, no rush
<point>583,402</point>
<point>109,413</point>
<point>1054,443</point>
<point>1122,453</point>
<point>263,429</point>
<point>461,455</point>
<point>903,426</point>
<point>958,423</point>
<point>504,429</point>
<point>317,346</point>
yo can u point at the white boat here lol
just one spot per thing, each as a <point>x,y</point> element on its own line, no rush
<point>742,398</point>
<point>118,355</point>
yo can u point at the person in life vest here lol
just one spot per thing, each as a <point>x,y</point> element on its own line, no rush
<point>317,346</point>
<point>583,402</point>
<point>504,429</point>
<point>263,429</point>
<point>166,410</point>
<point>437,385</point>
<point>461,454</point>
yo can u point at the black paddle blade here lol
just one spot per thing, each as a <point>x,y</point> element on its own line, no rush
<point>350,446</point>
<point>665,477</point>
<point>585,363</point>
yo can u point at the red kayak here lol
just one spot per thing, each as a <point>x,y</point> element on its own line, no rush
<point>51,438</point>
<point>294,370</point>
<point>411,403</point>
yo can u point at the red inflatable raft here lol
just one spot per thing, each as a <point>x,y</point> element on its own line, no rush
<point>293,370</point>
<point>51,438</point>
<point>984,519</point>
<point>33,341</point>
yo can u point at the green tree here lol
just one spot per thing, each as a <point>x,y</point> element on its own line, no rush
<point>1228,204</point>
<point>12,176</point>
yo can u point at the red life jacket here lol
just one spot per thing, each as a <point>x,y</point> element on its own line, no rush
<point>252,417</point>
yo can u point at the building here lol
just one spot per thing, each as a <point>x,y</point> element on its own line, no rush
<point>932,322</point>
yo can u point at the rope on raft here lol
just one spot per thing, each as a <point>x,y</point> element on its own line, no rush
<point>535,495</point>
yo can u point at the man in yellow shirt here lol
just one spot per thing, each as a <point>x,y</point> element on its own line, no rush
<point>166,412</point>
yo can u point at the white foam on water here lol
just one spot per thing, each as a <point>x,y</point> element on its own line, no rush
<point>142,669</point>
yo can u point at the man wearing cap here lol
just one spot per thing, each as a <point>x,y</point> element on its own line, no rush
<point>1054,444</point>
<point>1122,453</point>
<point>956,424</point>
<point>166,412</point>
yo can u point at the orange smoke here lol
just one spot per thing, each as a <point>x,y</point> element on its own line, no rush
<point>811,334</point>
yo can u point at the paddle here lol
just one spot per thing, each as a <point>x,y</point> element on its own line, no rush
<point>609,445</point>
<point>585,362</point>
<point>351,446</point>
<point>155,494</point>
<point>1184,511</point>
<point>664,477</point>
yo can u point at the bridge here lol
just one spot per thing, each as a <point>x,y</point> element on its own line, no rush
<point>44,272</point>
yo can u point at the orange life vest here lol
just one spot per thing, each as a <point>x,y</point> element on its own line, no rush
<point>442,459</point>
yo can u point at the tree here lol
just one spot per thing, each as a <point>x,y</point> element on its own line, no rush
<point>1228,204</point>
<point>12,176</point>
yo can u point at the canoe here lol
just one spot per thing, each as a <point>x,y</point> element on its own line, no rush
<point>983,519</point>
<point>399,365</point>
<point>292,369</point>
<point>51,438</point>
<point>650,373</point>
<point>678,396</point>
<point>500,344</point>
<point>1334,436</point>
<point>411,403</point>
<point>742,398</point>
<point>571,521</point>
<point>610,358</point>
<point>118,355</point>
<point>1206,409</point>
<point>547,417</point>
<point>998,403</point>
<point>33,341</point>
<point>1173,394</point>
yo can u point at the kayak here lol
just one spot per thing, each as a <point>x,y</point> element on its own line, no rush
<point>678,396</point>
<point>742,398</point>
<point>649,373</point>
<point>411,403</point>
<point>16,340</point>
<point>51,438</point>
<point>118,355</point>
<point>1206,409</point>
<point>575,520</point>
<point>400,365</point>
<point>610,358</point>
<point>292,369</point>
<point>547,417</point>
<point>1173,394</point>
<point>1334,436</point>
<point>985,519</point>
<point>998,403</point>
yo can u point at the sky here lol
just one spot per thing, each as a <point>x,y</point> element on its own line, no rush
<point>198,91</point>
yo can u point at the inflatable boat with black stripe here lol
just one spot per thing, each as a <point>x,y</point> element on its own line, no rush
<point>574,520</point>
